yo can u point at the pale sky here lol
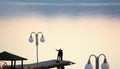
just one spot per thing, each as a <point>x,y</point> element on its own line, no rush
<point>79,36</point>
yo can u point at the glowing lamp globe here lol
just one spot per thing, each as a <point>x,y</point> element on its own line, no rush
<point>31,39</point>
<point>105,66</point>
<point>88,66</point>
<point>42,39</point>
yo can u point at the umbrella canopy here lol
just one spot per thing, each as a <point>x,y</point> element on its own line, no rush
<point>9,56</point>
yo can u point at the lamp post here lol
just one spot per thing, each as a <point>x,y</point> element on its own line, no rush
<point>103,66</point>
<point>36,37</point>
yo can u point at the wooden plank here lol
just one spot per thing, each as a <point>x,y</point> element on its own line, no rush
<point>49,64</point>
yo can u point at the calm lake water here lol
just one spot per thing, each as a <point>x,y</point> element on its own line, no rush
<point>110,10</point>
<point>54,9</point>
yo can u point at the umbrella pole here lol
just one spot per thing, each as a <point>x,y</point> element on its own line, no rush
<point>11,64</point>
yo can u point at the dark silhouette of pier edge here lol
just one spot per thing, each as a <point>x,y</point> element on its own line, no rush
<point>49,64</point>
<point>59,63</point>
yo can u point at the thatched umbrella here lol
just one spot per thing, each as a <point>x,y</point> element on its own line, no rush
<point>11,57</point>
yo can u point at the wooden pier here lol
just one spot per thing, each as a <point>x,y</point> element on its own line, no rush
<point>49,64</point>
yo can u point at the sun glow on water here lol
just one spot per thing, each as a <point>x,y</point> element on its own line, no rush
<point>78,37</point>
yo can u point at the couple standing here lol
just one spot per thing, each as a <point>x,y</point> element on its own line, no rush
<point>60,55</point>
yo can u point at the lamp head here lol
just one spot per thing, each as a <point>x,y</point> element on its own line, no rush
<point>88,65</point>
<point>105,65</point>
<point>42,39</point>
<point>30,39</point>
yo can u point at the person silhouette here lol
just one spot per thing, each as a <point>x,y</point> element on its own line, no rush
<point>4,66</point>
<point>60,55</point>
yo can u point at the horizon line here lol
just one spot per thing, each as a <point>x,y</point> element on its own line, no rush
<point>66,4</point>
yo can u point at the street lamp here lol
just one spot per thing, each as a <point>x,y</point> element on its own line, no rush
<point>36,37</point>
<point>103,66</point>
